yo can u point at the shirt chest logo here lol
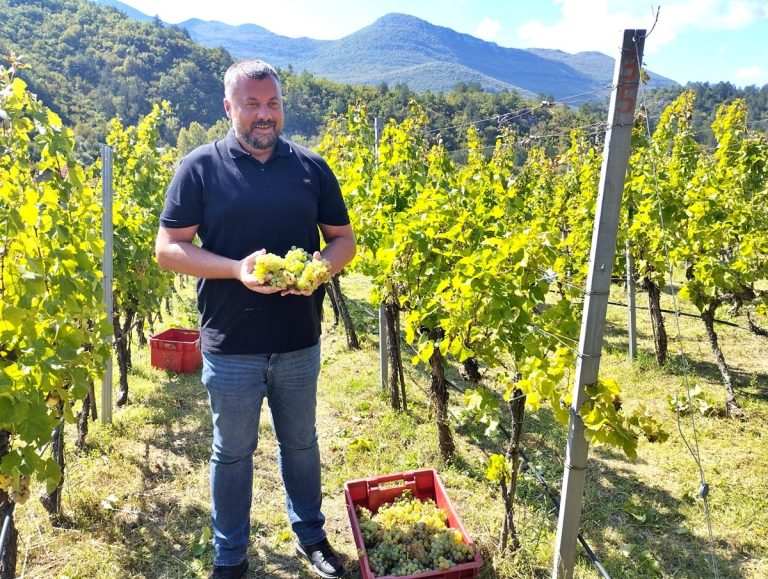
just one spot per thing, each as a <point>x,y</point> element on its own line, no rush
<point>307,181</point>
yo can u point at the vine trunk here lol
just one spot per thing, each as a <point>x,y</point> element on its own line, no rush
<point>438,392</point>
<point>509,488</point>
<point>660,341</point>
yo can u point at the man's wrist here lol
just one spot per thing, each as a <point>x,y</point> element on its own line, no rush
<point>238,270</point>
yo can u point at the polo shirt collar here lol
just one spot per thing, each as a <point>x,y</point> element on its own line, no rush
<point>282,147</point>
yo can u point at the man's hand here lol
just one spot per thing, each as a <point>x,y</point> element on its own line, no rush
<point>249,281</point>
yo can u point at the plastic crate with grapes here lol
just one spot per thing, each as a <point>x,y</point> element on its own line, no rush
<point>405,526</point>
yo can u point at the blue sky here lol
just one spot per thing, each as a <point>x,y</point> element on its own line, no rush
<point>693,40</point>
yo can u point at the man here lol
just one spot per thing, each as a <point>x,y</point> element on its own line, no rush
<point>251,193</point>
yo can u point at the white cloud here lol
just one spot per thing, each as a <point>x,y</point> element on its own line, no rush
<point>597,24</point>
<point>712,14</point>
<point>586,25</point>
<point>488,29</point>
<point>752,74</point>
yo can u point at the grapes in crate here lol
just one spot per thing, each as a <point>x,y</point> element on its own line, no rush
<point>409,536</point>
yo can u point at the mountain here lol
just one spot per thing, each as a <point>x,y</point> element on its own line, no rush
<point>129,11</point>
<point>398,48</point>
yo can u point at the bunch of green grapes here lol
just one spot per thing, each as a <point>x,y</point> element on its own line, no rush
<point>296,270</point>
<point>18,489</point>
<point>409,536</point>
<point>315,273</point>
<point>267,264</point>
<point>295,260</point>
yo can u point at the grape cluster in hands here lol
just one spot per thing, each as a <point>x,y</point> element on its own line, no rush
<point>409,536</point>
<point>297,270</point>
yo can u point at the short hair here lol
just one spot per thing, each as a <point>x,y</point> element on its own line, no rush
<point>252,68</point>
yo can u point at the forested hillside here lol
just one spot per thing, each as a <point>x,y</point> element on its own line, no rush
<point>91,63</point>
<point>709,96</point>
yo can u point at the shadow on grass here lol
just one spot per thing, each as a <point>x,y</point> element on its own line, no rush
<point>180,406</point>
<point>149,542</point>
<point>746,383</point>
<point>159,540</point>
<point>639,520</point>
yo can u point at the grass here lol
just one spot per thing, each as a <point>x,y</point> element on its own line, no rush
<point>136,498</point>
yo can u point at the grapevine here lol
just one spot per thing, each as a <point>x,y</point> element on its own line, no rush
<point>52,324</point>
<point>409,536</point>
<point>297,270</point>
<point>142,171</point>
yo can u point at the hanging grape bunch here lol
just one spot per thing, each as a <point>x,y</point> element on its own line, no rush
<point>409,536</point>
<point>18,487</point>
<point>297,270</point>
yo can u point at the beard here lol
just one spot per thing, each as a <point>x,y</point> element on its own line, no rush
<point>260,142</point>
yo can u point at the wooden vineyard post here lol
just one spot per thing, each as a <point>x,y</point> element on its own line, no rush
<point>626,79</point>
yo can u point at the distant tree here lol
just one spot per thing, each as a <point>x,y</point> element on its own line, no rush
<point>191,138</point>
<point>218,130</point>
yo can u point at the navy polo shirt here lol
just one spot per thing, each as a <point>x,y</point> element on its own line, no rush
<point>241,205</point>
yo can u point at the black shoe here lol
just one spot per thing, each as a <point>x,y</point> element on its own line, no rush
<point>229,572</point>
<point>323,559</point>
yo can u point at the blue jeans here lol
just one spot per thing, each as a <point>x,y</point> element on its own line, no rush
<point>236,386</point>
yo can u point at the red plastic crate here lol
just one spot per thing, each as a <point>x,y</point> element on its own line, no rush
<point>424,484</point>
<point>176,350</point>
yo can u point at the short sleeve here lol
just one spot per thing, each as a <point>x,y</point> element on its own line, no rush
<point>183,198</point>
<point>332,209</point>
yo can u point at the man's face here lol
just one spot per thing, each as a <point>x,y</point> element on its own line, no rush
<point>256,110</point>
